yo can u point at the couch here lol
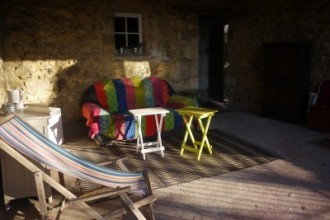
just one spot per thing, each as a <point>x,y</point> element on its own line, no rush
<point>105,106</point>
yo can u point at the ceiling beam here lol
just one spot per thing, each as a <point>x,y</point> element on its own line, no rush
<point>210,10</point>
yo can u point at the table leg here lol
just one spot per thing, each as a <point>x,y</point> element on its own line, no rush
<point>159,125</point>
<point>204,137</point>
<point>139,142</point>
<point>188,121</point>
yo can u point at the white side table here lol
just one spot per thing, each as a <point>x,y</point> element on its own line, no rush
<point>47,120</point>
<point>17,181</point>
<point>152,146</point>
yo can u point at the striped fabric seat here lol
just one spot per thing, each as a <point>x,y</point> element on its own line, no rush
<point>33,144</point>
<point>16,134</point>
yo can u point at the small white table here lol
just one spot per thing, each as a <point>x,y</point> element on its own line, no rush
<point>47,120</point>
<point>17,181</point>
<point>152,146</point>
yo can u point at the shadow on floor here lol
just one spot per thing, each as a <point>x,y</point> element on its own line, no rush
<point>20,209</point>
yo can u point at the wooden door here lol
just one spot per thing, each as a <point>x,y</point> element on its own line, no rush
<point>286,81</point>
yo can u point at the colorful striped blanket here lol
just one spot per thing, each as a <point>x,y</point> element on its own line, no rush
<point>106,104</point>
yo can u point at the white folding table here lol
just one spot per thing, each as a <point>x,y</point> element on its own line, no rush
<point>148,147</point>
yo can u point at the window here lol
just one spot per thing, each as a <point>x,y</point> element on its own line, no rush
<point>128,32</point>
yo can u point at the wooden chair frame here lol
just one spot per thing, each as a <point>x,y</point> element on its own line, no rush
<point>42,177</point>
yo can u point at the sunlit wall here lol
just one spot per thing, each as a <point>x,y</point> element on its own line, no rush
<point>54,50</point>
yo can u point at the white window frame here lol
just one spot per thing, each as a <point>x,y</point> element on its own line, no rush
<point>130,15</point>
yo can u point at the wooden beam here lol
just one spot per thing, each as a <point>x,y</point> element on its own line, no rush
<point>210,10</point>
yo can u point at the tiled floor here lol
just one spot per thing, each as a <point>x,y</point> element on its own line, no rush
<point>296,187</point>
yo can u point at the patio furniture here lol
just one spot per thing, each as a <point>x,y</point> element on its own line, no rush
<point>25,144</point>
<point>195,94</point>
<point>106,106</point>
<point>188,114</point>
<point>159,114</point>
<point>17,182</point>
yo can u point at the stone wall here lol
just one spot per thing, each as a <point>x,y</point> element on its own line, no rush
<point>278,21</point>
<point>53,50</point>
<point>2,78</point>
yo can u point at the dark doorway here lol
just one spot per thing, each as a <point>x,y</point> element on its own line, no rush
<point>216,86</point>
<point>286,81</point>
<point>212,50</point>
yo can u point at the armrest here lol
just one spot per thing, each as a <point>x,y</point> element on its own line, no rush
<point>180,101</point>
<point>92,112</point>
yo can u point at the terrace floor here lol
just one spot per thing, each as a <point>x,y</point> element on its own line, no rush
<point>296,187</point>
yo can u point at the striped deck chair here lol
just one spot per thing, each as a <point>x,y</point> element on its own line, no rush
<point>21,141</point>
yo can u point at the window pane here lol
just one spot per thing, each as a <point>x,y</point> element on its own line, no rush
<point>119,24</point>
<point>120,41</point>
<point>132,25</point>
<point>133,40</point>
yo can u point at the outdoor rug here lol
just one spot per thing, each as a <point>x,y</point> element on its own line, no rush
<point>230,153</point>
